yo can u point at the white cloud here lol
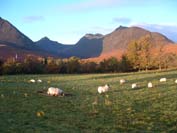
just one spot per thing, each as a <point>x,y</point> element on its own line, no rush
<point>30,19</point>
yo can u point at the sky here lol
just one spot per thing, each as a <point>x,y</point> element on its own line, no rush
<point>66,21</point>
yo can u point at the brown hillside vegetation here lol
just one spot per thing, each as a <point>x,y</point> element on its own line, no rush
<point>122,36</point>
<point>116,53</point>
<point>172,48</point>
<point>8,52</point>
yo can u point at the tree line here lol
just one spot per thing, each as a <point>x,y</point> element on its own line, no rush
<point>72,65</point>
<point>145,55</point>
<point>140,55</point>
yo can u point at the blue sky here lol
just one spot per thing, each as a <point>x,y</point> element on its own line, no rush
<point>66,21</point>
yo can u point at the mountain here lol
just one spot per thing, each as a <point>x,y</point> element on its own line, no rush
<point>95,46</point>
<point>11,36</point>
<point>113,44</point>
<point>87,47</point>
<point>122,36</point>
<point>13,42</point>
<point>52,47</point>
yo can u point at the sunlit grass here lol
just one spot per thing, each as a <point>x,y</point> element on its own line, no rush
<point>122,109</point>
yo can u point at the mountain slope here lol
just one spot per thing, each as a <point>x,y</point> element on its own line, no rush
<point>88,46</point>
<point>52,47</point>
<point>99,46</point>
<point>13,42</point>
<point>122,36</point>
<point>11,36</point>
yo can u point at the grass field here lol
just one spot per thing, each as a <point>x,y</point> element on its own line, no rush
<point>122,109</point>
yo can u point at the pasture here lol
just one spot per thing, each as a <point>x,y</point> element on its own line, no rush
<point>121,109</point>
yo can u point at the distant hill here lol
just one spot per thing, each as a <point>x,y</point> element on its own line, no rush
<point>87,47</point>
<point>13,42</point>
<point>95,46</point>
<point>122,36</point>
<point>11,36</point>
<point>52,47</point>
<point>90,46</point>
<point>7,51</point>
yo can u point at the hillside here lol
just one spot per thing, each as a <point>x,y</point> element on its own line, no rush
<point>122,36</point>
<point>90,46</point>
<point>52,47</point>
<point>13,42</point>
<point>11,36</point>
<point>87,47</point>
<point>7,51</point>
<point>98,46</point>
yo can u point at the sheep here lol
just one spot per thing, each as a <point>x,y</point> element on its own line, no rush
<point>39,81</point>
<point>32,81</point>
<point>176,81</point>
<point>54,91</point>
<point>103,89</point>
<point>150,85</point>
<point>134,85</point>
<point>163,79</point>
<point>122,81</point>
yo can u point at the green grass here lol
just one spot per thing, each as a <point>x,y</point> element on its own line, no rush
<point>122,109</point>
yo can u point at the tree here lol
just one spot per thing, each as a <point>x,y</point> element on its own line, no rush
<point>73,65</point>
<point>88,67</point>
<point>124,64</point>
<point>32,65</point>
<point>169,60</point>
<point>158,56</point>
<point>133,54</point>
<point>1,65</point>
<point>9,66</point>
<point>109,65</point>
<point>145,52</point>
<point>139,53</point>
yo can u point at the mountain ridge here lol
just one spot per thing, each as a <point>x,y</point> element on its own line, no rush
<point>89,46</point>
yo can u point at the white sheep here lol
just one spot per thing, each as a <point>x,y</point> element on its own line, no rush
<point>134,85</point>
<point>32,81</point>
<point>122,81</point>
<point>54,91</point>
<point>150,85</point>
<point>163,79</point>
<point>39,81</point>
<point>176,81</point>
<point>103,89</point>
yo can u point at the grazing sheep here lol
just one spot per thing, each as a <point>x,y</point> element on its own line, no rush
<point>32,81</point>
<point>176,81</point>
<point>39,81</point>
<point>103,89</point>
<point>163,79</point>
<point>150,85</point>
<point>122,81</point>
<point>54,91</point>
<point>134,85</point>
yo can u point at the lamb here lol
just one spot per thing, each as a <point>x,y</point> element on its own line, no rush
<point>39,81</point>
<point>54,91</point>
<point>150,85</point>
<point>176,81</point>
<point>122,81</point>
<point>32,81</point>
<point>163,79</point>
<point>134,85</point>
<point>103,89</point>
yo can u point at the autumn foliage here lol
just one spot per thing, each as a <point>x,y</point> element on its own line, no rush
<point>140,55</point>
